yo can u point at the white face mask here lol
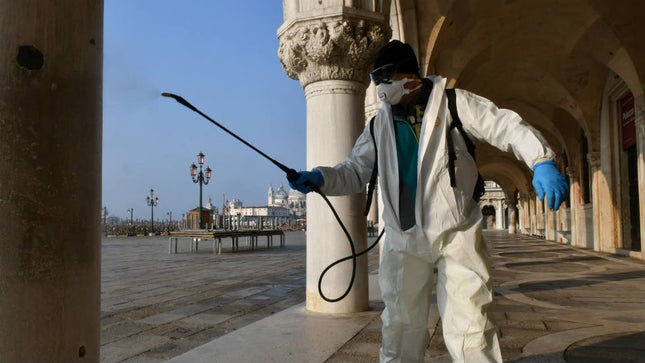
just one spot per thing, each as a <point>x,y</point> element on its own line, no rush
<point>391,93</point>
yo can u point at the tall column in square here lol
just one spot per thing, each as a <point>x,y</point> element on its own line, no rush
<point>330,51</point>
<point>50,180</point>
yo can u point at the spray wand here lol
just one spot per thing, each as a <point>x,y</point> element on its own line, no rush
<point>292,176</point>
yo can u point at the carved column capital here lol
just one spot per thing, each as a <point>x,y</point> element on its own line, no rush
<point>572,173</point>
<point>594,159</point>
<point>333,48</point>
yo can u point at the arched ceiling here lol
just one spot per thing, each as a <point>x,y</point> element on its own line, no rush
<point>548,60</point>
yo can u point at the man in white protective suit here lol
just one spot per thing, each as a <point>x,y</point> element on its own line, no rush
<point>430,212</point>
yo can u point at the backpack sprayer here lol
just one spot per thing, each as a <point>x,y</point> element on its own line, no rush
<point>292,176</point>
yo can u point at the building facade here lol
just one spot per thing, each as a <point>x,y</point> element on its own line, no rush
<point>238,216</point>
<point>295,201</point>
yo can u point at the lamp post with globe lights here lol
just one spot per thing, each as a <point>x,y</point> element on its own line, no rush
<point>202,178</point>
<point>152,202</point>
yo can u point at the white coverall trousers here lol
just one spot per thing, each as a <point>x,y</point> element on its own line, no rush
<point>463,296</point>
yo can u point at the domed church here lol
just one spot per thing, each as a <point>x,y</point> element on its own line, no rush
<point>295,201</point>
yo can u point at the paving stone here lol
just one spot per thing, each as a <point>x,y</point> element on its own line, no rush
<point>206,319</point>
<point>190,309</point>
<point>523,324</point>
<point>517,338</point>
<point>560,325</point>
<point>121,330</point>
<point>162,318</point>
<point>127,348</point>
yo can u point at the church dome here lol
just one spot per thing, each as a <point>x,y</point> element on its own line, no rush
<point>280,194</point>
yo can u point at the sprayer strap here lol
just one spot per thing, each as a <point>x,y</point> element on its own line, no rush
<point>372,184</point>
<point>456,122</point>
<point>470,145</point>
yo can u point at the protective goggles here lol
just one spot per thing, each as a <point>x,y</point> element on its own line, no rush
<point>383,74</point>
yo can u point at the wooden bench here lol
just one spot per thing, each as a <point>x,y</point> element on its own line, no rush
<point>196,236</point>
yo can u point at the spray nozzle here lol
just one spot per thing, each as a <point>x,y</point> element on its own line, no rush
<point>180,100</point>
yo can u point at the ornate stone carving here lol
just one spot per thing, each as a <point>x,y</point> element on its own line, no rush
<point>593,158</point>
<point>331,49</point>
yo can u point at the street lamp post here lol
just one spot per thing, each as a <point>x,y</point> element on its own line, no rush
<point>202,178</point>
<point>152,202</point>
<point>169,214</point>
<point>131,210</point>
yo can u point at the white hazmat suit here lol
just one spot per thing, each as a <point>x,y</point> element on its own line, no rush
<point>447,233</point>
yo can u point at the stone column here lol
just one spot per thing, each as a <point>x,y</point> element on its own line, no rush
<point>499,214</point>
<point>593,159</point>
<point>639,103</point>
<point>373,215</point>
<point>533,211</point>
<point>549,223</point>
<point>540,214</point>
<point>574,205</point>
<point>50,180</point>
<point>330,51</point>
<point>523,209</point>
<point>511,202</point>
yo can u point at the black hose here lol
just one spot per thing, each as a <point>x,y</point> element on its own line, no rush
<point>292,176</point>
<point>354,256</point>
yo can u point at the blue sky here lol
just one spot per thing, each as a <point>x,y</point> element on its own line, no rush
<point>221,56</point>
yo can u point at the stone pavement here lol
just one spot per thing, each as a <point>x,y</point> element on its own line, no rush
<point>156,305</point>
<point>553,303</point>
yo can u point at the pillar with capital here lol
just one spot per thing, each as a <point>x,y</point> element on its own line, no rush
<point>50,180</point>
<point>330,49</point>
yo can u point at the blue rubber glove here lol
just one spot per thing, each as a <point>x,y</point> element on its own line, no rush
<point>549,182</point>
<point>306,179</point>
